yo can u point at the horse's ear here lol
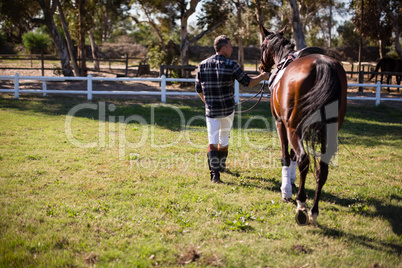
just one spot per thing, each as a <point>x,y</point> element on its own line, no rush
<point>265,31</point>
<point>282,32</point>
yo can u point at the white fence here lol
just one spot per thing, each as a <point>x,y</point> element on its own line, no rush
<point>163,92</point>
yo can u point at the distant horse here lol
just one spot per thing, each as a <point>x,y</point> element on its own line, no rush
<point>309,106</point>
<point>388,65</point>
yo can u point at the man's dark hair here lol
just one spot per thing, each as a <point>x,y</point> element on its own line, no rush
<point>220,42</point>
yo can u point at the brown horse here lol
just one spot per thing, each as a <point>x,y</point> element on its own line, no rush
<point>309,106</point>
<point>388,65</point>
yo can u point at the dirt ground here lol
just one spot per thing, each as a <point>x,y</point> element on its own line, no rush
<point>154,86</point>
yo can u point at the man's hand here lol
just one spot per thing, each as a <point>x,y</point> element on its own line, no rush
<point>255,80</point>
<point>265,75</point>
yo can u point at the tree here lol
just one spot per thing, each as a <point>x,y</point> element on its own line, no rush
<point>350,38</point>
<point>214,13</point>
<point>240,32</point>
<point>69,41</point>
<point>393,10</point>
<point>383,21</point>
<point>185,11</point>
<point>48,8</point>
<point>15,18</point>
<point>297,25</point>
<point>36,42</point>
<point>152,10</point>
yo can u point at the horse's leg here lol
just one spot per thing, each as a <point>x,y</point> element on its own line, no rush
<point>389,77</point>
<point>303,163</point>
<point>286,187</point>
<point>321,178</point>
<point>329,144</point>
<point>292,168</point>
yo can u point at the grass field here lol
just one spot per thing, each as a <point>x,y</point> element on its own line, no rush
<point>125,184</point>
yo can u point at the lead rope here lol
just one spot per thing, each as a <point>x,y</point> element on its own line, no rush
<point>252,107</point>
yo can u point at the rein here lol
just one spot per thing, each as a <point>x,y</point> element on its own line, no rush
<point>252,107</point>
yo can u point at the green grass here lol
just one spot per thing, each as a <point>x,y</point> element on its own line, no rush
<point>139,194</point>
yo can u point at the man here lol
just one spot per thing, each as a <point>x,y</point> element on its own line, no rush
<point>215,86</point>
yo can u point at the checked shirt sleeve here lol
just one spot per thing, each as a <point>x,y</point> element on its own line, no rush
<point>240,75</point>
<point>198,87</point>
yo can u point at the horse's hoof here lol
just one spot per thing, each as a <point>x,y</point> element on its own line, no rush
<point>302,218</point>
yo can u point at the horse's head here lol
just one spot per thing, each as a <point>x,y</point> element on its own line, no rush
<point>272,47</point>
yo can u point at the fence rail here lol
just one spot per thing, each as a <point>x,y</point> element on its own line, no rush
<point>163,92</point>
<point>46,58</point>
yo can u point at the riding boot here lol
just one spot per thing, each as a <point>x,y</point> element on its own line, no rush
<point>223,154</point>
<point>286,187</point>
<point>292,174</point>
<point>214,166</point>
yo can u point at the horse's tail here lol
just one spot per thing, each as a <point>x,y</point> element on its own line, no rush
<point>321,109</point>
<point>377,67</point>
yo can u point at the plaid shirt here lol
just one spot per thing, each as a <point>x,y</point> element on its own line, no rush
<point>215,79</point>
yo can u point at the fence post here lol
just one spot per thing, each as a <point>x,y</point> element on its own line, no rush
<point>44,87</point>
<point>43,64</point>
<point>16,86</point>
<point>163,89</point>
<point>237,92</point>
<point>127,64</point>
<point>378,94</point>
<point>89,87</point>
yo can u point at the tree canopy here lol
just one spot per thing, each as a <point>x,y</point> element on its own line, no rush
<point>188,22</point>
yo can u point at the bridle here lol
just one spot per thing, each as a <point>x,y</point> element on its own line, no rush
<point>261,91</point>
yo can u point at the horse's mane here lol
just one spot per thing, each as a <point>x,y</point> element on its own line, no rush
<point>282,46</point>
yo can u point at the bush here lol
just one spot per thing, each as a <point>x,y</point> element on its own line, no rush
<point>158,57</point>
<point>36,42</point>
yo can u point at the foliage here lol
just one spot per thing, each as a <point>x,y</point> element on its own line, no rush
<point>349,37</point>
<point>15,18</point>
<point>377,26</point>
<point>36,42</point>
<point>158,57</point>
<point>5,47</point>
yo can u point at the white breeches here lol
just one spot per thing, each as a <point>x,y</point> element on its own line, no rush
<point>218,129</point>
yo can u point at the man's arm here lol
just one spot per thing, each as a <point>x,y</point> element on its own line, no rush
<point>257,79</point>
<point>201,96</point>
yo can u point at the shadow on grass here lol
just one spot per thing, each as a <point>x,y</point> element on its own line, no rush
<point>174,116</point>
<point>370,243</point>
<point>171,117</point>
<point>392,213</point>
<point>377,122</point>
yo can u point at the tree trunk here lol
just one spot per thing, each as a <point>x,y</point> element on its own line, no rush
<point>183,45</point>
<point>330,25</point>
<point>297,25</point>
<point>95,50</point>
<point>380,46</point>
<point>105,26</point>
<point>186,13</point>
<point>48,12</point>
<point>394,17</point>
<point>70,45</point>
<point>81,37</point>
<point>260,19</point>
<point>240,53</point>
